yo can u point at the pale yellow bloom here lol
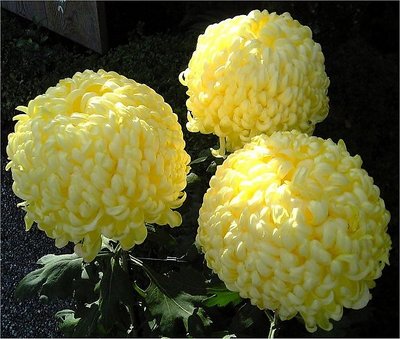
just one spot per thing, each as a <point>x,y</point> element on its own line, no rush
<point>98,154</point>
<point>294,223</point>
<point>253,74</point>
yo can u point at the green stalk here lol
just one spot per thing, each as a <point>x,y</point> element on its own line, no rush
<point>124,264</point>
<point>274,321</point>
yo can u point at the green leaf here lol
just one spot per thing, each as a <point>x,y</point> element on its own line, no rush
<point>192,178</point>
<point>85,289</point>
<point>221,296</point>
<point>54,279</point>
<point>212,167</point>
<point>173,298</point>
<point>67,321</point>
<point>88,321</point>
<point>198,160</point>
<point>169,308</point>
<point>84,325</point>
<point>115,289</point>
<point>205,152</point>
<point>198,323</point>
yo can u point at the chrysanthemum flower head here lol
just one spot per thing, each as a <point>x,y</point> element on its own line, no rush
<point>294,223</point>
<point>253,74</point>
<point>98,154</point>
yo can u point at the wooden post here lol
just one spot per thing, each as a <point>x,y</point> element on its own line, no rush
<point>81,21</point>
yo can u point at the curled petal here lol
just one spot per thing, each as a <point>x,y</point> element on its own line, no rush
<point>94,155</point>
<point>271,222</point>
<point>255,74</point>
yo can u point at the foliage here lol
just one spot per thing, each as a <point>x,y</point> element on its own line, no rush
<point>112,301</point>
<point>54,278</point>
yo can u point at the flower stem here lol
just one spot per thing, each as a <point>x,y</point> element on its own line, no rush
<point>274,321</point>
<point>125,267</point>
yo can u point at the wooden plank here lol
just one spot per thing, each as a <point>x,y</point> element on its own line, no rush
<point>32,10</point>
<point>80,21</point>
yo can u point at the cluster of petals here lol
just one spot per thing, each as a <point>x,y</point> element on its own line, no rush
<point>98,154</point>
<point>294,223</point>
<point>253,74</point>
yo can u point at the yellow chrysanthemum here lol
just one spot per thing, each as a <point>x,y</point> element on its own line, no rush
<point>98,154</point>
<point>292,222</point>
<point>254,74</point>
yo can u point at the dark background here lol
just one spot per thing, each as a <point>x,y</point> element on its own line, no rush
<point>152,43</point>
